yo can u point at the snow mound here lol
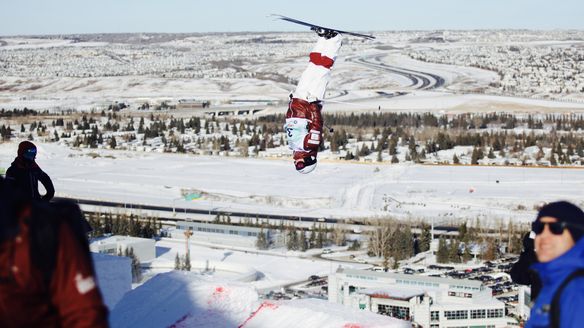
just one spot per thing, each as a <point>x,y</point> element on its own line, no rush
<point>183,299</point>
<point>114,277</point>
<point>316,313</point>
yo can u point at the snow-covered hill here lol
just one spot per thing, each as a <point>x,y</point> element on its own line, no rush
<point>180,300</point>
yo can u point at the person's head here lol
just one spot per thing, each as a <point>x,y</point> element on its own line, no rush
<point>305,165</point>
<point>27,150</point>
<point>558,227</point>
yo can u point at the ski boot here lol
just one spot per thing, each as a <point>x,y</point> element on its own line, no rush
<point>324,33</point>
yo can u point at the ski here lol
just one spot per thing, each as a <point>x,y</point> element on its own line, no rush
<point>313,26</point>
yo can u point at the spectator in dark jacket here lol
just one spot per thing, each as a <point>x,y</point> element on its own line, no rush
<point>46,271</point>
<point>24,175</point>
<point>520,272</point>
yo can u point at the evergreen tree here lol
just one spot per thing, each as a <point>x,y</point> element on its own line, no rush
<point>553,161</point>
<point>312,238</point>
<point>187,262</point>
<point>425,238</point>
<point>453,248</point>
<point>355,245</point>
<point>262,240</point>
<point>442,253</point>
<point>455,159</point>
<point>303,245</point>
<point>320,238</point>
<point>467,255</point>
<point>177,264</point>
<point>474,160</point>
<point>136,269</point>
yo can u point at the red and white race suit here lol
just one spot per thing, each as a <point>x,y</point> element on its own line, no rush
<point>303,119</point>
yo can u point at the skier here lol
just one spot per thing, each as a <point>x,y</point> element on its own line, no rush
<point>304,119</point>
<point>24,175</point>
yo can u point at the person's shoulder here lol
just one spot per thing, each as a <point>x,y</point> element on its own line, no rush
<point>572,302</point>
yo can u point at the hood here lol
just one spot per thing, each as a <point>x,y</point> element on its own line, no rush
<point>24,146</point>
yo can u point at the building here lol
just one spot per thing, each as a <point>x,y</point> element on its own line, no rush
<point>426,301</point>
<point>144,249</point>
<point>192,104</point>
<point>226,234</point>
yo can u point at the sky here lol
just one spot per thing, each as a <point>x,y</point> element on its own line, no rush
<point>26,17</point>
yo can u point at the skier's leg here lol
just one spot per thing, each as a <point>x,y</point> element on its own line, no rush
<point>315,78</point>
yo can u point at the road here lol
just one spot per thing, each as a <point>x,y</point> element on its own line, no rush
<point>419,80</point>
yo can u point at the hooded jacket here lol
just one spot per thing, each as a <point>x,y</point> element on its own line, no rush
<point>552,274</point>
<point>70,297</point>
<point>24,175</point>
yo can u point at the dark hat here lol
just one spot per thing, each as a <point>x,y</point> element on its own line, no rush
<point>24,146</point>
<point>565,212</point>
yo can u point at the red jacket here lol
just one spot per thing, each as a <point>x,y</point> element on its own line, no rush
<point>71,300</point>
<point>312,112</point>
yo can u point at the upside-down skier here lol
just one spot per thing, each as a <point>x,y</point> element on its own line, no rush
<point>304,119</point>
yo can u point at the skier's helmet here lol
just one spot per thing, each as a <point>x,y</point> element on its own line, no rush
<point>305,165</point>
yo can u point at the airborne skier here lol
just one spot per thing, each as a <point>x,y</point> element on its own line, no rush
<point>304,119</point>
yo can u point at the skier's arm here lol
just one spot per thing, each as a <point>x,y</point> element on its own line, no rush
<point>48,184</point>
<point>74,291</point>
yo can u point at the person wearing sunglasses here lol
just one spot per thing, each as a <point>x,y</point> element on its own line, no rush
<point>559,248</point>
<point>24,175</point>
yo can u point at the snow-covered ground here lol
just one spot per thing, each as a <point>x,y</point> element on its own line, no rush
<point>180,299</point>
<point>335,189</point>
<point>273,271</point>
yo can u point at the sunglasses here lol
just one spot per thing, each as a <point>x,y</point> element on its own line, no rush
<point>556,228</point>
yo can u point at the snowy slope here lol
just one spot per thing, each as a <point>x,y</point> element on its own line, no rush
<point>335,189</point>
<point>180,299</point>
<point>114,277</point>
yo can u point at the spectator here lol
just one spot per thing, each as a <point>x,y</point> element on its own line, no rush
<point>46,272</point>
<point>24,174</point>
<point>559,247</point>
<point>520,272</point>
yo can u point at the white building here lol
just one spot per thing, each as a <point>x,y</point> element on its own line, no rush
<point>426,301</point>
<point>226,234</point>
<point>144,249</point>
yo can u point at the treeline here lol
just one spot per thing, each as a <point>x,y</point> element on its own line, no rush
<point>294,238</point>
<point>123,224</point>
<point>394,241</point>
<point>465,121</point>
<point>4,113</point>
<point>381,136</point>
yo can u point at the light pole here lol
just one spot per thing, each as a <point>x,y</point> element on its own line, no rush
<point>188,233</point>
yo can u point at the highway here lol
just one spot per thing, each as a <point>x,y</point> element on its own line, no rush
<point>419,80</point>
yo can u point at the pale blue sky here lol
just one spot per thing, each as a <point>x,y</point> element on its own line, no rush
<point>115,16</point>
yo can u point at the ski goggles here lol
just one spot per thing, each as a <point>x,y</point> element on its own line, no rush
<point>30,154</point>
